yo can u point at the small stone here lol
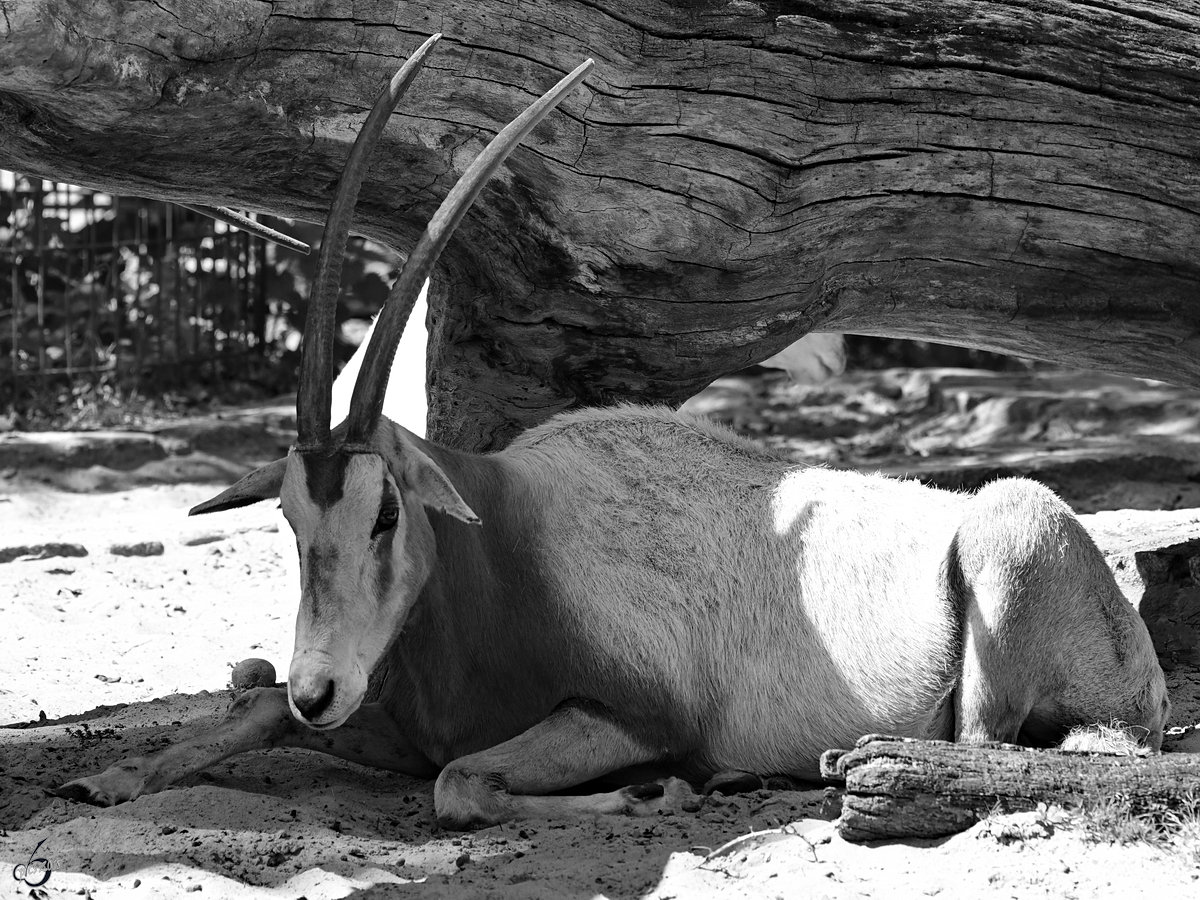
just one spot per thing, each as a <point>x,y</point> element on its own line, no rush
<point>251,673</point>
<point>40,551</point>
<point>142,548</point>
<point>207,538</point>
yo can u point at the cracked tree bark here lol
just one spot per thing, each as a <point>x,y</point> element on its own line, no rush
<point>1020,176</point>
<point>904,789</point>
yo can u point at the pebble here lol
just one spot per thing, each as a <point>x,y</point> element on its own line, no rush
<point>208,538</point>
<point>251,673</point>
<point>41,551</point>
<point>143,548</point>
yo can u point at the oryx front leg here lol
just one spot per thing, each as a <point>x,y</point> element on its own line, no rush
<point>258,720</point>
<point>574,745</point>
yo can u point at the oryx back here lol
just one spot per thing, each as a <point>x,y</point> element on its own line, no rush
<point>693,584</point>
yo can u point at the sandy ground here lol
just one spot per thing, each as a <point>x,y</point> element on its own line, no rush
<point>160,633</point>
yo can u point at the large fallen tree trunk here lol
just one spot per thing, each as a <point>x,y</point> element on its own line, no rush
<point>919,789</point>
<point>1019,176</point>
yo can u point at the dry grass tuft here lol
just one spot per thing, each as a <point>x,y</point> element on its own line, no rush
<point>1116,737</point>
<point>1121,820</point>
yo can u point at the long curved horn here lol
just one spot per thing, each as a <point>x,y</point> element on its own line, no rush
<point>314,399</point>
<point>366,404</point>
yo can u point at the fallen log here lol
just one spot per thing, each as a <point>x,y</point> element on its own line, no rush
<point>902,788</point>
<point>1015,176</point>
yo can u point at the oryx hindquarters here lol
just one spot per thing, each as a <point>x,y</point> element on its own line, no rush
<point>1050,642</point>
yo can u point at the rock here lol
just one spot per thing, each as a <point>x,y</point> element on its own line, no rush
<point>75,450</point>
<point>246,435</point>
<point>208,537</point>
<point>251,673</point>
<point>212,536</point>
<point>41,551</point>
<point>1182,740</point>
<point>1151,554</point>
<point>143,548</point>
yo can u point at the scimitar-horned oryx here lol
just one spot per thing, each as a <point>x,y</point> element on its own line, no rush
<point>629,590</point>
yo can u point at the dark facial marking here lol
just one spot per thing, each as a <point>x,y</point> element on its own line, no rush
<point>384,534</point>
<point>322,564</point>
<point>325,475</point>
<point>389,515</point>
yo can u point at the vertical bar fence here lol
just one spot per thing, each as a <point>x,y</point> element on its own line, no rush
<point>136,294</point>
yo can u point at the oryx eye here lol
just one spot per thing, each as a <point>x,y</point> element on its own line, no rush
<point>389,514</point>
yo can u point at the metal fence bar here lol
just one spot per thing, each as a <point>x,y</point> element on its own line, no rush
<point>127,287</point>
<point>38,237</point>
<point>114,282</point>
<point>16,293</point>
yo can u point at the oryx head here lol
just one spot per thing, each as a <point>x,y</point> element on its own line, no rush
<point>356,497</point>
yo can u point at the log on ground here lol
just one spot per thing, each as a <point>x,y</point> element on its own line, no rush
<point>898,788</point>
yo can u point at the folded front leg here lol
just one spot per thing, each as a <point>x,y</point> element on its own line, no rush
<point>573,745</point>
<point>259,719</point>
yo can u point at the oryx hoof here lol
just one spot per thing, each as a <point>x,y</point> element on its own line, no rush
<point>667,795</point>
<point>117,784</point>
<point>733,781</point>
<point>888,738</point>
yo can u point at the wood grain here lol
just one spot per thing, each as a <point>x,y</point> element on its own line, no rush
<point>897,788</point>
<point>1019,176</point>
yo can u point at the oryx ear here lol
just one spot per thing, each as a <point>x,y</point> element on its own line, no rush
<point>432,487</point>
<point>261,484</point>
